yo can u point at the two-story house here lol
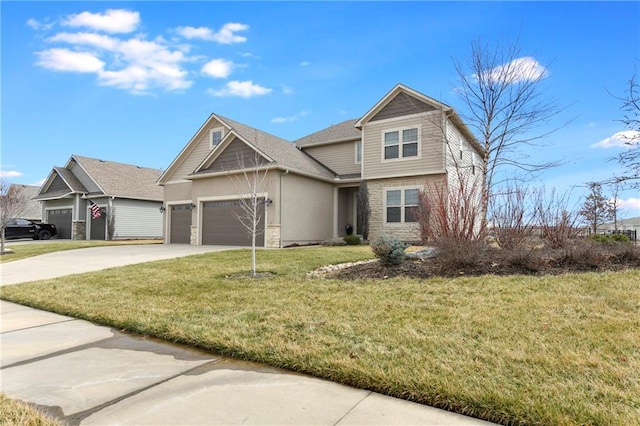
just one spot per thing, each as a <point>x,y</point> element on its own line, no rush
<point>308,188</point>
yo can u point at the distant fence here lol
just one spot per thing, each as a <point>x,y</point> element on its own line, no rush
<point>630,233</point>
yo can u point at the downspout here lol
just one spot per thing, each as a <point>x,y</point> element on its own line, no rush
<point>282,175</point>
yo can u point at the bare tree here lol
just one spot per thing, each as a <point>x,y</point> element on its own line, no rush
<point>630,158</point>
<point>251,186</point>
<point>596,209</point>
<point>111,221</point>
<point>502,93</point>
<point>13,202</point>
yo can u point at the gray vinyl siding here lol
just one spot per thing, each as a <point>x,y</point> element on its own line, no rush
<point>235,154</point>
<point>339,157</point>
<point>58,186</point>
<point>58,204</point>
<point>431,151</point>
<point>402,105</point>
<point>195,155</point>
<point>84,178</point>
<point>137,219</point>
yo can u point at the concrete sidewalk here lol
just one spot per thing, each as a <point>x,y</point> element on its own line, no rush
<point>91,375</point>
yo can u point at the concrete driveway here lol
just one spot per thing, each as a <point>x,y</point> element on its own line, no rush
<point>68,262</point>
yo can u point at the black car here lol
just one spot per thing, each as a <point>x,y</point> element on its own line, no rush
<point>23,228</point>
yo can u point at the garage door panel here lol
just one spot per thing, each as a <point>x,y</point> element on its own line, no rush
<point>180,226</point>
<point>61,218</point>
<point>221,226</point>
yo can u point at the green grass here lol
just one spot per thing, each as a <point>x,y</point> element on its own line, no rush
<point>16,413</point>
<point>22,251</point>
<point>514,350</point>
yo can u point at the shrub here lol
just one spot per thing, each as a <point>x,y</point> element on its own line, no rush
<point>458,253</point>
<point>390,251</point>
<point>352,240</point>
<point>610,239</point>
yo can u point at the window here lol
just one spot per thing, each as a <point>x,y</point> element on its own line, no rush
<point>216,137</point>
<point>401,143</point>
<point>358,152</point>
<point>402,205</point>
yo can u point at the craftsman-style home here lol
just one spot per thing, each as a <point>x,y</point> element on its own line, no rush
<point>310,186</point>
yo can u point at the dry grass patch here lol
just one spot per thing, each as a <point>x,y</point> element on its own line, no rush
<point>513,350</point>
<point>17,413</point>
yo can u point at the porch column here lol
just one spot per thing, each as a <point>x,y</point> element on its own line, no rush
<point>335,212</point>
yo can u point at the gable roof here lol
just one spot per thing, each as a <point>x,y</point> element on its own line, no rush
<point>122,180</point>
<point>402,89</point>
<point>279,152</point>
<point>283,152</point>
<point>113,179</point>
<point>340,132</point>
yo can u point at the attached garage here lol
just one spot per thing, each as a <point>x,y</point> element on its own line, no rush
<point>221,226</point>
<point>180,226</point>
<point>61,218</point>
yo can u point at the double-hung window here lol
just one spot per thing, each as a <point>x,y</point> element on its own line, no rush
<point>401,143</point>
<point>402,205</point>
<point>358,152</point>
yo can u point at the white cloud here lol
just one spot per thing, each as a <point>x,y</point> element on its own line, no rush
<point>287,90</point>
<point>518,70</point>
<point>90,39</point>
<point>305,63</point>
<point>226,35</point>
<point>290,118</point>
<point>37,25</point>
<point>218,68</point>
<point>244,89</point>
<point>631,204</point>
<point>112,21</point>
<point>620,139</point>
<point>9,173</point>
<point>68,60</point>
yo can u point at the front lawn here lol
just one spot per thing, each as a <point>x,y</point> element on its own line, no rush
<point>21,251</point>
<point>510,349</point>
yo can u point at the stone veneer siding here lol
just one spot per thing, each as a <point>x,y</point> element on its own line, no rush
<point>78,230</point>
<point>272,238</point>
<point>409,232</point>
<point>193,238</point>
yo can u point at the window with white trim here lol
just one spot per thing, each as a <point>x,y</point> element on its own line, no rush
<point>358,152</point>
<point>401,143</point>
<point>215,136</point>
<point>402,205</point>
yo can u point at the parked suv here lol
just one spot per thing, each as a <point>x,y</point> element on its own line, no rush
<point>24,228</point>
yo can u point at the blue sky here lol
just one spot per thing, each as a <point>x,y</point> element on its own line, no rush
<point>133,81</point>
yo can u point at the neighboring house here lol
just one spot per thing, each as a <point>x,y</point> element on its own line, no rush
<point>32,210</point>
<point>126,196</point>
<point>405,141</point>
<point>629,226</point>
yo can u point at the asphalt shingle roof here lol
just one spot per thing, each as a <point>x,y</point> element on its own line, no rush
<point>337,132</point>
<point>283,152</point>
<point>123,180</point>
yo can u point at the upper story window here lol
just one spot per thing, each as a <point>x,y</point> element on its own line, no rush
<point>402,205</point>
<point>401,143</point>
<point>215,136</point>
<point>358,152</point>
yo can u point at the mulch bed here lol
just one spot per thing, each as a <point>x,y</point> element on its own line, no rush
<point>500,262</point>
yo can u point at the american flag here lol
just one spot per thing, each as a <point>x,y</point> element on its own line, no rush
<point>95,210</point>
